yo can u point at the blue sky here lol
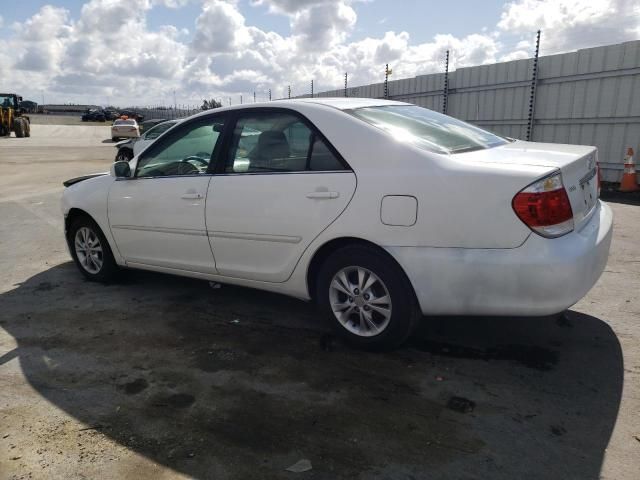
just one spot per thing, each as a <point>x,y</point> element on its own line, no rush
<point>140,51</point>
<point>422,19</point>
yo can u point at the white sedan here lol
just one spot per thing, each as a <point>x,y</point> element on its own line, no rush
<point>124,128</point>
<point>380,211</point>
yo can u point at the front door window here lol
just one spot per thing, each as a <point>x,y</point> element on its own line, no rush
<point>189,151</point>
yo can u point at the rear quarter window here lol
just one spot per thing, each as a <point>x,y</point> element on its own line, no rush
<point>427,129</point>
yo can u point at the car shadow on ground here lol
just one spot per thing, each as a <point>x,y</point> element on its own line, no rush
<point>238,383</point>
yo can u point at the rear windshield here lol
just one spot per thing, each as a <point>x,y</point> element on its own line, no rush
<point>428,129</point>
<point>124,122</point>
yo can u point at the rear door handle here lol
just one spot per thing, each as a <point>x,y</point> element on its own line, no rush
<point>323,195</point>
<point>191,196</point>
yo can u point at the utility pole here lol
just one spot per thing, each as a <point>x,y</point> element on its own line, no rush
<point>289,91</point>
<point>254,96</point>
<point>345,84</point>
<point>445,93</point>
<point>532,95</point>
<point>269,94</point>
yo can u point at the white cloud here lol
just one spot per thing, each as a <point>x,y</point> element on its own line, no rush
<point>292,6</point>
<point>220,28</point>
<point>109,50</point>
<point>570,24</point>
<point>171,3</point>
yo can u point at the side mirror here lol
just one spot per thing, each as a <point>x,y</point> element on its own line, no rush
<point>120,169</point>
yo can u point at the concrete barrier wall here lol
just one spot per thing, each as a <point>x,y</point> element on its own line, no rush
<point>588,97</point>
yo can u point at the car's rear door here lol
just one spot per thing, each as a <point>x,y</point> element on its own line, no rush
<point>157,217</point>
<point>280,185</point>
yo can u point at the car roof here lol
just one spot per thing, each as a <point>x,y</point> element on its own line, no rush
<point>339,103</point>
<point>345,103</point>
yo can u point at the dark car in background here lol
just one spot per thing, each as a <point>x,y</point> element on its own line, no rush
<point>110,114</point>
<point>93,115</point>
<point>132,114</point>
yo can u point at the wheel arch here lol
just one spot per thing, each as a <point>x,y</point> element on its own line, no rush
<point>128,149</point>
<point>72,215</point>
<point>325,250</point>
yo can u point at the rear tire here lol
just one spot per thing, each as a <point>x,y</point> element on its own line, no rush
<point>90,250</point>
<point>367,297</point>
<point>27,129</point>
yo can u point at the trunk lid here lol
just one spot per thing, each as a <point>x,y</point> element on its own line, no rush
<point>577,163</point>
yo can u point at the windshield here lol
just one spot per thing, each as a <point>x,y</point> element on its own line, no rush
<point>6,101</point>
<point>428,129</point>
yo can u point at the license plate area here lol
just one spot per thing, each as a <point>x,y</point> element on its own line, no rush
<point>589,190</point>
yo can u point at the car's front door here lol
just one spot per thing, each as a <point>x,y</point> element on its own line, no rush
<point>280,185</point>
<point>157,216</point>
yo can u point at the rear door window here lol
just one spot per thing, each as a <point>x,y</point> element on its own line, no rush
<point>277,142</point>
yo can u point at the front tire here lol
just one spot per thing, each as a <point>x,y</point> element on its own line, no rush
<point>123,155</point>
<point>90,250</point>
<point>367,297</point>
<point>18,127</point>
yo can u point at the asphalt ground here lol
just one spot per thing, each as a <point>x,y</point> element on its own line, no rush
<point>160,377</point>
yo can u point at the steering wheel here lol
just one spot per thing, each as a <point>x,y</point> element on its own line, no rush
<point>197,158</point>
<point>186,166</point>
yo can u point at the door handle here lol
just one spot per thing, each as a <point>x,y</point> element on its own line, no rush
<point>323,195</point>
<point>191,196</point>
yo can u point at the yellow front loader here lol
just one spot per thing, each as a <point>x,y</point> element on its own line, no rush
<point>12,118</point>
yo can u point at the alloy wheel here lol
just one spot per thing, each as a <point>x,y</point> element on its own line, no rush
<point>360,301</point>
<point>88,250</point>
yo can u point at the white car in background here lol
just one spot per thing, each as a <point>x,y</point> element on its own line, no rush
<point>124,128</point>
<point>127,149</point>
<point>380,211</point>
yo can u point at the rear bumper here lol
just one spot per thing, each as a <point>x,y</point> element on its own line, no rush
<point>541,277</point>
<point>125,134</point>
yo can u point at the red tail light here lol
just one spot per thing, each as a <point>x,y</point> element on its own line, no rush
<point>544,207</point>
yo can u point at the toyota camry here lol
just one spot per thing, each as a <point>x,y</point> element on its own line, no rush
<point>379,211</point>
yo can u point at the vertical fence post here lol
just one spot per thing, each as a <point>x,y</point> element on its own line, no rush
<point>445,93</point>
<point>345,83</point>
<point>534,84</point>
<point>254,96</point>
<point>289,91</point>
<point>311,88</point>
<point>269,94</point>
<point>386,81</point>
<point>240,99</point>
